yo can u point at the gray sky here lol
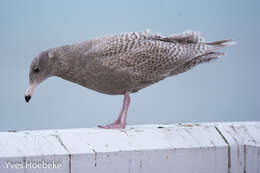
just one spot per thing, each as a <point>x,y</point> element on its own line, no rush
<point>224,90</point>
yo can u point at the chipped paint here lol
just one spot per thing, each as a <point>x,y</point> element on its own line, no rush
<point>64,146</point>
<point>187,125</point>
<point>213,144</point>
<point>130,163</point>
<point>140,163</point>
<point>124,131</point>
<point>95,158</point>
<point>249,136</point>
<point>160,127</point>
<point>228,153</point>
<point>138,130</point>
<point>236,142</point>
<point>24,161</point>
<point>61,143</point>
<point>70,168</point>
<point>258,158</point>
<point>244,149</point>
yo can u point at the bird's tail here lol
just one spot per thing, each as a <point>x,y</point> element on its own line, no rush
<point>208,52</point>
<point>221,43</point>
<point>211,51</point>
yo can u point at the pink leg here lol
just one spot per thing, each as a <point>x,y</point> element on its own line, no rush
<point>120,123</point>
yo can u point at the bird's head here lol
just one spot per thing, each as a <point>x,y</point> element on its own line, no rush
<point>41,68</point>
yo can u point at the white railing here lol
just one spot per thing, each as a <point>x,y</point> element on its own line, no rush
<point>180,148</point>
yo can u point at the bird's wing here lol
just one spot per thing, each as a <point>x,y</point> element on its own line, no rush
<point>143,55</point>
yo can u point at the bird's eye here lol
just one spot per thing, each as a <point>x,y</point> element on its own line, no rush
<point>36,70</point>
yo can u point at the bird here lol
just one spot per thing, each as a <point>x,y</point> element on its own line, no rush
<point>122,64</point>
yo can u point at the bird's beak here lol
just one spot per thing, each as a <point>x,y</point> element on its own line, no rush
<point>29,92</point>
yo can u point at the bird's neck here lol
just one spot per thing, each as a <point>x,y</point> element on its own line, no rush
<point>69,60</point>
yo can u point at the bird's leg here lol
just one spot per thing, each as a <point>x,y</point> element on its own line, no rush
<point>120,123</point>
<point>118,120</point>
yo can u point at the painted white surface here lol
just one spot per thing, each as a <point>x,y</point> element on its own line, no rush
<point>181,148</point>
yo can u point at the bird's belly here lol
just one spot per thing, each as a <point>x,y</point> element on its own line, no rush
<point>106,82</point>
<point>109,84</point>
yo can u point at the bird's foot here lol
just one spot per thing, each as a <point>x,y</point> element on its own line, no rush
<point>115,125</point>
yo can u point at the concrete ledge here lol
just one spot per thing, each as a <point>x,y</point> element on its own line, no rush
<point>180,148</point>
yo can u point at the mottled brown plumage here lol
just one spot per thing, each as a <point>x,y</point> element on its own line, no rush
<point>124,63</point>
